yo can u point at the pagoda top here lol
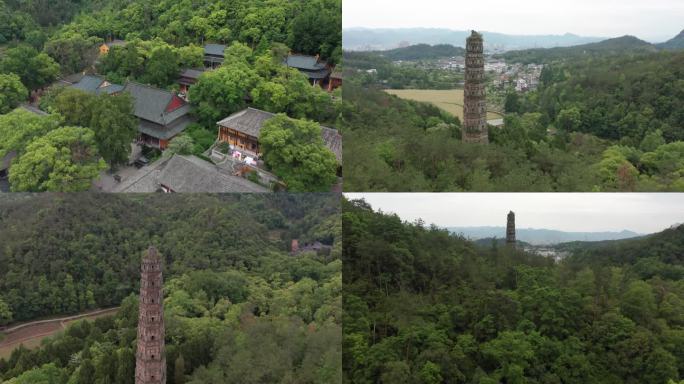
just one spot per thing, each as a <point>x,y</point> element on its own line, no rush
<point>475,34</point>
<point>152,253</point>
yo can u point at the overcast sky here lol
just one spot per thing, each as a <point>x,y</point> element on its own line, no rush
<point>653,20</point>
<point>575,212</point>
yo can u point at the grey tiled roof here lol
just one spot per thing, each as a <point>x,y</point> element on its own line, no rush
<point>250,121</point>
<point>110,89</point>
<point>144,181</point>
<point>317,75</point>
<point>151,103</point>
<point>96,84</point>
<point>192,174</point>
<point>214,49</point>
<point>304,62</point>
<point>188,174</point>
<point>192,73</point>
<point>165,132</point>
<point>89,83</point>
<point>73,78</point>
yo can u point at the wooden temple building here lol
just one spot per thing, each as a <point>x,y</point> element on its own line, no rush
<point>242,130</point>
<point>162,114</point>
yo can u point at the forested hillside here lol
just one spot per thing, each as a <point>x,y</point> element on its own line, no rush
<point>309,27</point>
<point>618,45</point>
<point>423,306</point>
<point>232,289</point>
<point>622,98</point>
<point>375,68</point>
<point>676,42</point>
<point>38,53</point>
<point>423,52</point>
<point>609,123</point>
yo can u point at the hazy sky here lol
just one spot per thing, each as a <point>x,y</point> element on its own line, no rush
<point>580,212</point>
<point>647,19</point>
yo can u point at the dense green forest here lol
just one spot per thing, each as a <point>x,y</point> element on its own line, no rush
<point>423,52</point>
<point>164,34</point>
<point>423,306</point>
<point>162,39</point>
<point>618,45</point>
<point>379,70</point>
<point>608,123</point>
<point>235,298</point>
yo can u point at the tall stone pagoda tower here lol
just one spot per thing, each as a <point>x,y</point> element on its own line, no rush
<point>474,102</point>
<point>150,359</point>
<point>510,229</point>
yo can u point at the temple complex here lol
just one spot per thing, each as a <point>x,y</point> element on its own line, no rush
<point>150,359</point>
<point>510,229</point>
<point>474,101</point>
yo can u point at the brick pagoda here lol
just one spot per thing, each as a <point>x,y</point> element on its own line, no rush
<point>150,362</point>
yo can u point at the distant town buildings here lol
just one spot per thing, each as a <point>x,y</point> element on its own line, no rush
<point>520,77</point>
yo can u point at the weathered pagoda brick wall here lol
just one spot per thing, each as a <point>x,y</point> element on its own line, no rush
<point>150,363</point>
<point>510,229</point>
<point>474,102</point>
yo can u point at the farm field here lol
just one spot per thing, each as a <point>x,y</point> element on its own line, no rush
<point>450,100</point>
<point>31,334</point>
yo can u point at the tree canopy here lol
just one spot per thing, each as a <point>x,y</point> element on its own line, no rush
<point>234,296</point>
<point>64,160</point>
<point>12,92</point>
<point>36,69</point>
<point>19,127</point>
<point>294,150</point>
<point>425,306</point>
<point>110,117</point>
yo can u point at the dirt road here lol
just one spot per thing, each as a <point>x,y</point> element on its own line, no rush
<point>30,334</point>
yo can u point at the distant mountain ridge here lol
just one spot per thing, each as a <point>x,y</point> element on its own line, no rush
<point>541,236</point>
<point>365,39</point>
<point>618,45</point>
<point>676,42</point>
<point>422,52</point>
<point>370,39</point>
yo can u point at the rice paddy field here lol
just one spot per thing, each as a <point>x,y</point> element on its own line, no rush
<point>450,100</point>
